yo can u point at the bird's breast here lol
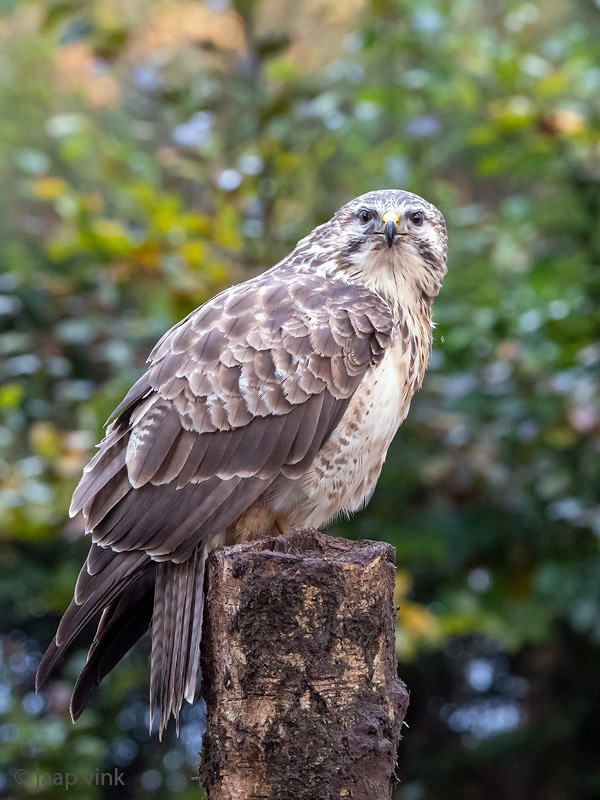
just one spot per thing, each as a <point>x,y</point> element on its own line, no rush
<point>345,471</point>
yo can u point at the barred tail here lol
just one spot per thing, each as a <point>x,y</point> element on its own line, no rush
<point>176,634</point>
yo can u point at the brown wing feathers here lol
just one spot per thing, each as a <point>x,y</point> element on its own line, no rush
<point>122,623</point>
<point>248,387</point>
<point>94,591</point>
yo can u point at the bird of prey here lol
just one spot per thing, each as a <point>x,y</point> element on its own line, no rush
<point>269,407</point>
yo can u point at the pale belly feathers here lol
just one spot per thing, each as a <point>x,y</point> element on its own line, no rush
<point>343,476</point>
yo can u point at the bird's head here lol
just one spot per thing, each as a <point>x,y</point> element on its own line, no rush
<point>392,241</point>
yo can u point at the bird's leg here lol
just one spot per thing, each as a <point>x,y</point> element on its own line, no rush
<point>257,522</point>
<point>282,524</point>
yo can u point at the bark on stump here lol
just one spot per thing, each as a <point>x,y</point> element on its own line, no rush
<point>299,670</point>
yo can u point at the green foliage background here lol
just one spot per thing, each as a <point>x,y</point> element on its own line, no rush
<point>152,153</point>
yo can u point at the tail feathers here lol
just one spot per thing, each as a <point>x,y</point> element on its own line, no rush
<point>121,625</point>
<point>133,592</point>
<point>176,634</point>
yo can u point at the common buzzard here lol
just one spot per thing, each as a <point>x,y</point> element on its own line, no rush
<point>271,406</point>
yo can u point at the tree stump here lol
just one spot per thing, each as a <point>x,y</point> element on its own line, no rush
<point>299,670</point>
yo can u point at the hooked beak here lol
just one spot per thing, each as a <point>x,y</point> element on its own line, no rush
<point>391,221</point>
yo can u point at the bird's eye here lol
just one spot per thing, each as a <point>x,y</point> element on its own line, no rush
<point>365,216</point>
<point>417,218</point>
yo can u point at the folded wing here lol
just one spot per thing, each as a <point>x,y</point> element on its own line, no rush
<point>246,388</point>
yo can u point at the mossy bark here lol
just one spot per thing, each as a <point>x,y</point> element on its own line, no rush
<point>299,670</point>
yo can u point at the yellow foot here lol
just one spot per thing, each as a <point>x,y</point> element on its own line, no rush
<point>281,524</point>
